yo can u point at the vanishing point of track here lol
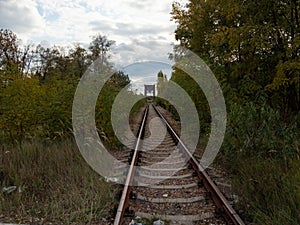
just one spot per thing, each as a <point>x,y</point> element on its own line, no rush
<point>184,193</point>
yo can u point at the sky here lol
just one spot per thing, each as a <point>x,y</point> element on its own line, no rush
<point>142,29</point>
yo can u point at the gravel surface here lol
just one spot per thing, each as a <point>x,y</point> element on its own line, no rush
<point>174,202</point>
<point>167,197</point>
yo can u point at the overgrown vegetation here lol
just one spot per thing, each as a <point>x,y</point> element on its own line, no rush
<point>53,183</point>
<point>38,86</point>
<point>39,155</point>
<point>253,48</point>
<point>262,153</point>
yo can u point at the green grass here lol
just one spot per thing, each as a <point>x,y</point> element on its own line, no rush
<point>56,184</point>
<point>269,190</point>
<point>261,153</point>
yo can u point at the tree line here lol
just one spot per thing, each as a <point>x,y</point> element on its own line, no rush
<point>253,48</point>
<point>37,85</point>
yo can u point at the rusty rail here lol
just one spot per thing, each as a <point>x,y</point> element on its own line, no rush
<point>219,199</point>
<point>126,191</point>
<point>217,196</point>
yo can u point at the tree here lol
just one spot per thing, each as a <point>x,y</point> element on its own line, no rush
<point>8,47</point>
<point>161,79</point>
<point>36,100</point>
<point>79,60</point>
<point>118,80</point>
<point>99,47</point>
<point>245,43</point>
<point>253,48</point>
<point>13,58</point>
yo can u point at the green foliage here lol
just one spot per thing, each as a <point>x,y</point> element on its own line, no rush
<point>161,81</point>
<point>137,108</point>
<point>37,103</point>
<point>262,154</point>
<point>287,83</point>
<point>253,49</point>
<point>100,46</point>
<point>38,155</point>
<point>268,191</point>
<point>33,110</point>
<point>104,106</point>
<point>258,131</point>
<point>20,102</point>
<point>254,40</point>
<point>197,96</point>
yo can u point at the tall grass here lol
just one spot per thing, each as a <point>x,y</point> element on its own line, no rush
<point>269,194</point>
<point>261,152</point>
<point>54,183</point>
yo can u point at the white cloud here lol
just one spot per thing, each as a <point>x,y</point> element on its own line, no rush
<point>21,16</point>
<point>120,19</point>
<point>140,51</point>
<point>142,29</point>
<point>64,21</point>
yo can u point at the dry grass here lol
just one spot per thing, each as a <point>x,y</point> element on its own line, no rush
<point>54,184</point>
<point>269,193</point>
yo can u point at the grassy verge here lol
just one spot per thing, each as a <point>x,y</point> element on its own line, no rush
<point>261,152</point>
<point>269,190</point>
<point>137,109</point>
<point>54,183</point>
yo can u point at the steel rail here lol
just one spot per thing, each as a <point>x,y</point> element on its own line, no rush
<point>126,191</point>
<point>217,196</point>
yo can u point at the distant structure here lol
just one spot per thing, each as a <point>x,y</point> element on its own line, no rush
<point>149,89</point>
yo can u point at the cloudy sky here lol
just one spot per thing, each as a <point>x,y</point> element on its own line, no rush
<point>141,28</point>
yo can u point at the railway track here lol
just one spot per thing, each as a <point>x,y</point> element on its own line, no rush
<point>165,181</point>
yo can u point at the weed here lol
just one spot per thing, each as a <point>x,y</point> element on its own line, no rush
<point>54,182</point>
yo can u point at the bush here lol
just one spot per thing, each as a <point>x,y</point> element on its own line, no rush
<point>254,131</point>
<point>268,191</point>
<point>261,152</point>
